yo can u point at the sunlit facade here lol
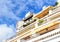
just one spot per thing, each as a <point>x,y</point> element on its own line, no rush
<point>42,27</point>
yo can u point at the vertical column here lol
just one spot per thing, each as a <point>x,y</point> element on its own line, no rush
<point>36,24</point>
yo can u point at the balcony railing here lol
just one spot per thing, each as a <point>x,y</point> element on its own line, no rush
<point>46,36</point>
<point>29,22</point>
<point>27,28</point>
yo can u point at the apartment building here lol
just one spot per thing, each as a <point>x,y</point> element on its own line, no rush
<point>42,27</point>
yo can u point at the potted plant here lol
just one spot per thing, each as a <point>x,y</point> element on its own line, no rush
<point>56,3</point>
<point>40,22</point>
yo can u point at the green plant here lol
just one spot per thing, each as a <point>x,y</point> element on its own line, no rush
<point>56,3</point>
<point>40,22</point>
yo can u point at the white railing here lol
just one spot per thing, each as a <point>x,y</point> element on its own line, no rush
<point>57,8</point>
<point>27,27</point>
<point>46,36</point>
<point>50,14</point>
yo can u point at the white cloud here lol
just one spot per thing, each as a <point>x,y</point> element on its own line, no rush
<point>6,32</point>
<point>58,1</point>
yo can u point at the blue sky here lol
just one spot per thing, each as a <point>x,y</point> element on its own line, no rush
<point>12,11</point>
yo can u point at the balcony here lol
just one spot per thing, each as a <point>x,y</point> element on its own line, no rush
<point>47,36</point>
<point>50,17</point>
<point>42,13</point>
<point>27,28</point>
<point>29,22</point>
<point>55,9</point>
